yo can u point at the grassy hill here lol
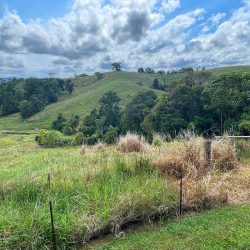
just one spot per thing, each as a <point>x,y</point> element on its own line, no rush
<point>88,91</point>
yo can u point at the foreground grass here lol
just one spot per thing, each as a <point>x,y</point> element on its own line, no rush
<point>89,192</point>
<point>224,228</point>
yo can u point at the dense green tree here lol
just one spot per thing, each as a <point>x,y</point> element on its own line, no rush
<point>39,92</point>
<point>111,135</point>
<point>137,109</point>
<point>228,97</point>
<point>109,110</point>
<point>89,125</point>
<point>150,70</point>
<point>26,109</point>
<point>141,70</point>
<point>99,75</point>
<point>59,123</point>
<point>116,66</point>
<point>156,84</point>
<point>69,86</point>
<point>74,122</point>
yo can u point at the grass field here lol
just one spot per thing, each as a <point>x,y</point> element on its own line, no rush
<point>89,192</point>
<point>93,192</point>
<point>88,91</point>
<point>224,228</point>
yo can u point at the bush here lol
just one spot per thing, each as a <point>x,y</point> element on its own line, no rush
<point>111,135</point>
<point>93,139</point>
<point>51,139</point>
<point>67,130</point>
<point>78,139</point>
<point>132,143</point>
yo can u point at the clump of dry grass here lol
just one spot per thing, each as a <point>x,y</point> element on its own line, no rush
<point>82,150</point>
<point>206,193</point>
<point>186,159</point>
<point>224,155</point>
<point>100,146</point>
<point>132,143</point>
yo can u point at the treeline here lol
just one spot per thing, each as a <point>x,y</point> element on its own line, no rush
<point>150,70</point>
<point>29,96</point>
<point>222,105</point>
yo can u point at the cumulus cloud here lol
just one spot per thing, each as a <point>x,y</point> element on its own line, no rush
<point>170,5</point>
<point>136,32</point>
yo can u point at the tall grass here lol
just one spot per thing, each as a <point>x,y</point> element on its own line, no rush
<point>101,190</point>
<point>90,193</point>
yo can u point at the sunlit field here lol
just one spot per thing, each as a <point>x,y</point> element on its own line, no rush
<point>96,191</point>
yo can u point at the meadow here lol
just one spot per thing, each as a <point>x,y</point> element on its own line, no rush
<point>99,190</point>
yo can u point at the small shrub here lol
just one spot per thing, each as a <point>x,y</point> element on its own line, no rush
<point>93,139</point>
<point>132,143</point>
<point>78,139</point>
<point>67,130</point>
<point>111,135</point>
<point>51,139</point>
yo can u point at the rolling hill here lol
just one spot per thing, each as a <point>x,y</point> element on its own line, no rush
<point>88,91</point>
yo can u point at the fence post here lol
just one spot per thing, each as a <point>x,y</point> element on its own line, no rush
<point>207,147</point>
<point>49,180</point>
<point>53,235</point>
<point>180,204</point>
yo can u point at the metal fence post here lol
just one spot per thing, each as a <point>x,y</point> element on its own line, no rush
<point>53,235</point>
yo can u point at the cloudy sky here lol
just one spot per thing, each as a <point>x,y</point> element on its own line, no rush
<point>84,36</point>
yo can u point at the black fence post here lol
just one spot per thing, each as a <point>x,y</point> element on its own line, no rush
<point>180,204</point>
<point>53,235</point>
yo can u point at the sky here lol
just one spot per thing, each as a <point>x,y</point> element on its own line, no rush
<point>68,37</point>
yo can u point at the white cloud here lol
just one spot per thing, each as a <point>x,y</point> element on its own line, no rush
<point>216,19</point>
<point>92,34</point>
<point>170,5</point>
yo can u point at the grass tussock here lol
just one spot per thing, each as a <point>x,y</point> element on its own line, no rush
<point>82,150</point>
<point>206,193</point>
<point>100,146</point>
<point>132,143</point>
<point>186,159</point>
<point>224,155</point>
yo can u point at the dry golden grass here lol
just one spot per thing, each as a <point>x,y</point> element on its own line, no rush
<point>100,146</point>
<point>82,150</point>
<point>218,188</point>
<point>186,159</point>
<point>224,155</point>
<point>132,143</point>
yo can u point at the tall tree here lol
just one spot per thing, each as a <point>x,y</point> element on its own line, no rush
<point>137,109</point>
<point>116,66</point>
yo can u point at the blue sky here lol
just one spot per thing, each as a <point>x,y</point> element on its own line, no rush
<point>75,36</point>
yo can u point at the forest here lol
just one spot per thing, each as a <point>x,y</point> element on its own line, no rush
<point>205,105</point>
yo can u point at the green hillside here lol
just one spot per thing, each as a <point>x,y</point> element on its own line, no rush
<point>88,91</point>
